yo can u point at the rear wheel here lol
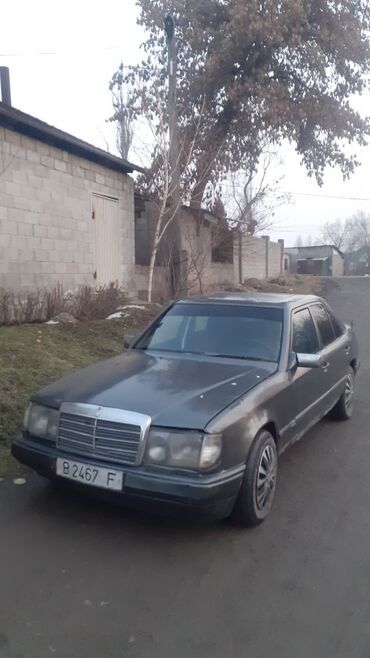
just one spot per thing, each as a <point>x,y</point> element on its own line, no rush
<point>343,410</point>
<point>257,492</point>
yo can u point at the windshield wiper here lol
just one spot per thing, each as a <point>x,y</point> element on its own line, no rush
<point>234,356</point>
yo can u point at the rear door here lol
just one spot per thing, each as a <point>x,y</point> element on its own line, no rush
<point>334,353</point>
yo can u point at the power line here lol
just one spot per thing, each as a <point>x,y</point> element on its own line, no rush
<point>331,196</point>
<point>77,51</point>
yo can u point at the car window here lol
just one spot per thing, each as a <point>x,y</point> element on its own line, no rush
<point>323,323</point>
<point>227,330</point>
<point>336,324</point>
<point>305,340</point>
<point>169,331</point>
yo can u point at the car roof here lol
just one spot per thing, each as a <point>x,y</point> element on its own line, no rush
<point>258,298</point>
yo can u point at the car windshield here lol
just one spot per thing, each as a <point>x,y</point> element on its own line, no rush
<point>242,332</point>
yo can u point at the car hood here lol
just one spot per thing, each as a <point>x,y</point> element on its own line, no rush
<point>174,390</point>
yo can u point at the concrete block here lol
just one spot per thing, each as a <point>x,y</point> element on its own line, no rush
<point>43,149</point>
<point>47,161</point>
<point>15,214</point>
<point>32,156</point>
<point>12,189</point>
<point>10,227</point>
<point>53,232</point>
<point>35,181</point>
<point>25,229</point>
<point>12,137</point>
<point>40,231</point>
<point>60,268</point>
<point>29,143</point>
<point>47,268</point>
<point>18,152</point>
<point>90,176</point>
<point>5,239</point>
<point>43,195</point>
<point>46,243</point>
<point>59,165</point>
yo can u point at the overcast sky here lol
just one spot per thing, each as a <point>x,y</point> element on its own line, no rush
<point>69,90</point>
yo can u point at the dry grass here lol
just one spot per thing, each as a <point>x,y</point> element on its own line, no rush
<point>86,303</point>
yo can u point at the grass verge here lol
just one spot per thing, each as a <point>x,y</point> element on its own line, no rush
<point>32,356</point>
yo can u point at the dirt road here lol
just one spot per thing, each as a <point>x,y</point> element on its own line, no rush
<point>79,579</point>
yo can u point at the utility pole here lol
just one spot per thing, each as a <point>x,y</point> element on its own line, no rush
<point>174,155</point>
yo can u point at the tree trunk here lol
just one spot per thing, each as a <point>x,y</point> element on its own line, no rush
<point>153,258</point>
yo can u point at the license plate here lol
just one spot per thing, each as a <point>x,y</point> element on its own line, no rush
<point>95,476</point>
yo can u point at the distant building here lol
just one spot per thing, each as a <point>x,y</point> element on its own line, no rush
<point>318,260</point>
<point>357,262</point>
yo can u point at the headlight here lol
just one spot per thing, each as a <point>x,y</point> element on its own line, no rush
<point>183,449</point>
<point>41,422</point>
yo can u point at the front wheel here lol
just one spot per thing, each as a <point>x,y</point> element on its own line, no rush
<point>257,492</point>
<point>343,410</point>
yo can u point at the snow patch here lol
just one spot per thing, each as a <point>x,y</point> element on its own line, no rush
<point>128,306</point>
<point>115,316</point>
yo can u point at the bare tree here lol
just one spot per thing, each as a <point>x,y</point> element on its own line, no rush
<point>167,194</point>
<point>158,182</point>
<point>256,195</point>
<point>123,116</point>
<point>336,233</point>
<point>358,231</point>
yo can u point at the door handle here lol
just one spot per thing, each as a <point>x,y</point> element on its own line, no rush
<point>347,349</point>
<point>325,365</point>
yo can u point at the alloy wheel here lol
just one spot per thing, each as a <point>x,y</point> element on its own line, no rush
<point>266,478</point>
<point>349,393</point>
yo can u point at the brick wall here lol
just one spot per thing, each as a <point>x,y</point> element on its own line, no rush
<point>46,229</point>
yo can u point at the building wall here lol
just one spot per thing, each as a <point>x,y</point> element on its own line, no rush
<point>338,264</point>
<point>261,258</point>
<point>199,270</point>
<point>46,227</point>
<point>275,258</point>
<point>161,283</point>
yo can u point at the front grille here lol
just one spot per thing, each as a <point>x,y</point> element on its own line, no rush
<point>111,440</point>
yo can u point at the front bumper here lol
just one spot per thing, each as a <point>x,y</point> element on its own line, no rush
<point>213,495</point>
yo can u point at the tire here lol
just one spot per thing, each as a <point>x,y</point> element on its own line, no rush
<point>343,410</point>
<point>250,509</point>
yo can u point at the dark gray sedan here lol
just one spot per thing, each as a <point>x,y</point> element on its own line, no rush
<point>198,409</point>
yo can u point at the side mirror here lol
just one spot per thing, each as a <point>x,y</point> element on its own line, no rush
<point>128,340</point>
<point>308,360</point>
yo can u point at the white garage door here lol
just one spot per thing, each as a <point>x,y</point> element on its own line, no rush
<point>107,240</point>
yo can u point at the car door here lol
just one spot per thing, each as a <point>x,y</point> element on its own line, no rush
<point>334,354</point>
<point>305,389</point>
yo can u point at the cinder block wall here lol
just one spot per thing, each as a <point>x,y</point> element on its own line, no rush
<point>261,258</point>
<point>202,273</point>
<point>46,228</point>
